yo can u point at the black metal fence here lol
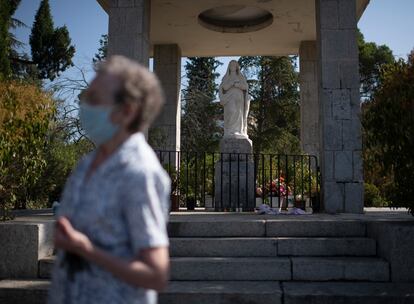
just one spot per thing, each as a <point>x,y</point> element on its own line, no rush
<point>241,182</point>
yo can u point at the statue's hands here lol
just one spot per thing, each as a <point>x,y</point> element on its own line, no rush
<point>236,84</point>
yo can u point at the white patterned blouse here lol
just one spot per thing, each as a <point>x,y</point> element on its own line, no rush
<point>123,208</point>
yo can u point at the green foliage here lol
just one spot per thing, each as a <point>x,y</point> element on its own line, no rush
<point>199,129</point>
<point>371,58</point>
<point>25,112</point>
<point>373,197</point>
<point>7,9</point>
<point>51,47</point>
<point>274,109</point>
<point>158,138</point>
<point>63,150</point>
<point>102,51</point>
<point>61,157</point>
<point>388,121</point>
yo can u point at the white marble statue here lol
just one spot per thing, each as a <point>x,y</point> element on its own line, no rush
<point>233,93</point>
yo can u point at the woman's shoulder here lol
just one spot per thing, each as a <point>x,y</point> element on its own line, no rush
<point>151,169</point>
<point>83,163</point>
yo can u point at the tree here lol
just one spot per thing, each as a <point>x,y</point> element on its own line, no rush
<point>102,51</point>
<point>7,9</point>
<point>388,121</point>
<point>199,128</point>
<point>371,58</point>
<point>65,146</point>
<point>51,47</point>
<point>25,113</point>
<point>274,108</point>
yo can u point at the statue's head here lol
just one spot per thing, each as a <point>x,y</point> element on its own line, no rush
<point>233,67</point>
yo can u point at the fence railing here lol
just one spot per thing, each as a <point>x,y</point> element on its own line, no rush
<point>240,181</point>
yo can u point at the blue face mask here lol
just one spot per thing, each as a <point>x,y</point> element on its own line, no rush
<point>96,122</point>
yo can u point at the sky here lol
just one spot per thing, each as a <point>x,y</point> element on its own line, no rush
<point>387,22</point>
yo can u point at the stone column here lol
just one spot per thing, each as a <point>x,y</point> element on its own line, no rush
<point>309,99</point>
<point>165,131</point>
<point>339,106</point>
<point>129,27</point>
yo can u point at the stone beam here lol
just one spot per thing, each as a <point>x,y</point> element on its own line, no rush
<point>339,106</point>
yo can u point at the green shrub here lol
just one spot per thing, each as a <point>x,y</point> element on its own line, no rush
<point>373,197</point>
<point>25,113</point>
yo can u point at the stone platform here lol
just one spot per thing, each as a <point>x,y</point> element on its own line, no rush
<point>249,258</point>
<point>234,175</point>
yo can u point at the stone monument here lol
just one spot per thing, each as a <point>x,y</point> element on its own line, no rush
<point>234,171</point>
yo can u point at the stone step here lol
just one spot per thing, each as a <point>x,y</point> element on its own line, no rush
<point>312,226</point>
<point>221,292</point>
<point>268,268</point>
<point>220,228</point>
<point>223,247</point>
<point>283,226</point>
<point>256,247</point>
<point>230,269</point>
<point>326,246</point>
<point>340,269</point>
<point>46,266</point>
<point>348,292</point>
<point>23,291</point>
<point>236,292</point>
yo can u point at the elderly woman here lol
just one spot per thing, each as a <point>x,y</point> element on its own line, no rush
<point>111,230</point>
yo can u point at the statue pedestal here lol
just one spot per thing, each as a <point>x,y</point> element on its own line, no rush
<point>234,176</point>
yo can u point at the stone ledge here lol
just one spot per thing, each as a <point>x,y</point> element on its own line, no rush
<point>23,244</point>
<point>395,243</point>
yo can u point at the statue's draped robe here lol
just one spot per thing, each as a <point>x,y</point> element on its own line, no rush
<point>236,105</point>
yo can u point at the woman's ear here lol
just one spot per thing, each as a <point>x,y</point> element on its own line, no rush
<point>131,110</point>
<point>118,114</point>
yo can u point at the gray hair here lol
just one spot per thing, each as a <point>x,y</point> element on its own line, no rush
<point>137,85</point>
